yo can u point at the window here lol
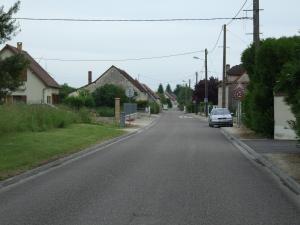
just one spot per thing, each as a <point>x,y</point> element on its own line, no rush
<point>19,98</point>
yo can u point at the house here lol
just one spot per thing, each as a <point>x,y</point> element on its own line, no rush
<point>119,78</point>
<point>283,119</point>
<point>172,98</point>
<point>38,88</point>
<point>236,77</point>
<point>152,96</point>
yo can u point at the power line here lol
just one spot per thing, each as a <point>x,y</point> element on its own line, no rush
<point>236,15</point>
<point>130,20</point>
<point>120,60</point>
<point>217,42</point>
<point>238,37</point>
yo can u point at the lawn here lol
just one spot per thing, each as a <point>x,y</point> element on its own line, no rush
<point>22,151</point>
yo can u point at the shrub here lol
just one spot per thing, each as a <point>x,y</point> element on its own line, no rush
<point>84,99</point>
<point>170,105</point>
<point>142,104</point>
<point>105,111</point>
<point>105,95</point>
<point>264,67</point>
<point>154,107</point>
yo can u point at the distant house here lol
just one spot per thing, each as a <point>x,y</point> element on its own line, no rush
<point>152,96</point>
<point>119,78</point>
<point>283,118</point>
<point>172,98</point>
<point>236,77</point>
<point>38,88</point>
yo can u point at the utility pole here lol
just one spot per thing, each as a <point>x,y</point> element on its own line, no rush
<point>224,69</point>
<point>256,38</point>
<point>206,88</point>
<point>196,100</point>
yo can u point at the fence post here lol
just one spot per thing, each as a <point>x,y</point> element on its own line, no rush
<point>117,110</point>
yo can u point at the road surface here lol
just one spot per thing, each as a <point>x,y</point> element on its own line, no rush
<point>178,172</point>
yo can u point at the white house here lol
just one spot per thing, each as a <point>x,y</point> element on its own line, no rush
<point>38,87</point>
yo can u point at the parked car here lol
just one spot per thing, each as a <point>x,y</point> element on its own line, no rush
<point>220,117</point>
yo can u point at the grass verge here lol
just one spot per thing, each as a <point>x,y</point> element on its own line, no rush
<point>22,151</point>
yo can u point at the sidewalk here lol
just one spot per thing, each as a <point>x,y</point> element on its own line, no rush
<point>282,154</point>
<point>141,121</point>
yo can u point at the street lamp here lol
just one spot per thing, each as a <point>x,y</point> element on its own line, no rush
<point>206,86</point>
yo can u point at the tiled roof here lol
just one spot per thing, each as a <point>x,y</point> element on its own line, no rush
<point>136,83</point>
<point>36,68</point>
<point>152,93</point>
<point>237,70</point>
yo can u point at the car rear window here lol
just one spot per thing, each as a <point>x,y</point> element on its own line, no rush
<point>220,112</point>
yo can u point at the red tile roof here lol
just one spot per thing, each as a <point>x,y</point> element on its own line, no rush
<point>35,68</point>
<point>237,70</point>
<point>150,92</point>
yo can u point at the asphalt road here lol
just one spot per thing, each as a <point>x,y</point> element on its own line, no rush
<point>180,171</point>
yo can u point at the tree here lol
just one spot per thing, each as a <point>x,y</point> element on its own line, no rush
<point>168,89</point>
<point>160,89</point>
<point>199,92</point>
<point>64,91</point>
<point>273,64</point>
<point>105,95</point>
<point>8,25</point>
<point>11,68</point>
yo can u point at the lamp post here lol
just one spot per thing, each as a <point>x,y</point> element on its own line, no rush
<point>206,89</point>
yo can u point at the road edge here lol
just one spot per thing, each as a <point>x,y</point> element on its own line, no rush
<point>256,157</point>
<point>40,170</point>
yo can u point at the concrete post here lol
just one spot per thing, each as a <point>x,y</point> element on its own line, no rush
<point>117,110</point>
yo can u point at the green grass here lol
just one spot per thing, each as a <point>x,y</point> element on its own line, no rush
<point>21,117</point>
<point>25,150</point>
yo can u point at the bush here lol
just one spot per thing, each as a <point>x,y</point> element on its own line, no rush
<point>21,117</point>
<point>154,107</point>
<point>105,111</point>
<point>105,95</point>
<point>84,99</point>
<point>170,105</point>
<point>265,66</point>
<point>142,104</point>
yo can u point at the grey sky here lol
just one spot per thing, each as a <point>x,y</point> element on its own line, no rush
<point>99,40</point>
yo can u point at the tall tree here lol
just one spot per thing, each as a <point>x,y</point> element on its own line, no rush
<point>199,92</point>
<point>8,26</point>
<point>168,89</point>
<point>12,67</point>
<point>160,89</point>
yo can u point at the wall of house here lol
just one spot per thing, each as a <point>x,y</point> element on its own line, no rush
<point>113,76</point>
<point>34,89</point>
<point>283,114</point>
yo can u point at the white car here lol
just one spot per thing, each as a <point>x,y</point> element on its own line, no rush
<point>220,117</point>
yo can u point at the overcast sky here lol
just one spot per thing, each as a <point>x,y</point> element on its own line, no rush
<point>107,40</point>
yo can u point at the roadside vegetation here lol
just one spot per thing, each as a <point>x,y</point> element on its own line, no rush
<point>274,67</point>
<point>21,117</point>
<point>22,151</point>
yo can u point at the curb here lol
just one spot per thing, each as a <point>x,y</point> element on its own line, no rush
<point>30,174</point>
<point>284,178</point>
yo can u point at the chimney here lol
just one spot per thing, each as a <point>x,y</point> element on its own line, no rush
<point>19,46</point>
<point>90,77</point>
